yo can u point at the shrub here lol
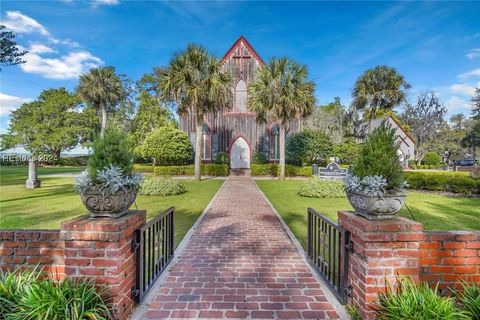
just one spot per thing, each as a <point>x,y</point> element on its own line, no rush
<point>308,147</point>
<point>470,299</point>
<point>347,152</point>
<point>264,169</point>
<point>321,188</point>
<point>273,170</point>
<point>378,157</point>
<point>112,149</point>
<point>110,167</point>
<point>456,182</point>
<point>432,159</point>
<point>221,158</point>
<point>46,299</point>
<point>143,168</point>
<point>416,301</point>
<point>168,146</point>
<point>215,170</point>
<point>161,186</point>
<point>206,169</point>
<point>259,158</point>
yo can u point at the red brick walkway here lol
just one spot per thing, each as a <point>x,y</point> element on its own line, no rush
<point>240,263</point>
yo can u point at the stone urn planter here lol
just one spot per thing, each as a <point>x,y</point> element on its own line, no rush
<point>377,207</point>
<point>109,205</point>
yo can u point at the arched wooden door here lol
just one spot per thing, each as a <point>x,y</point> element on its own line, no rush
<point>240,154</point>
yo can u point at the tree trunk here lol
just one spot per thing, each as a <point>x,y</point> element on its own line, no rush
<point>198,148</point>
<point>282,152</point>
<point>104,121</point>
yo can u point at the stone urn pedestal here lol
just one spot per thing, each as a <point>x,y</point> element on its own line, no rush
<point>32,182</point>
<point>108,205</point>
<point>377,207</point>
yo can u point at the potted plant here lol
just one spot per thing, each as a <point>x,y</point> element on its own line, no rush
<point>108,187</point>
<point>376,186</point>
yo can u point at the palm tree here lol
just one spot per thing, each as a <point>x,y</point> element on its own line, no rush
<point>195,82</point>
<point>380,88</point>
<point>101,88</point>
<point>280,91</point>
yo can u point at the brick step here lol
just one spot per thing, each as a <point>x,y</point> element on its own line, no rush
<point>240,172</point>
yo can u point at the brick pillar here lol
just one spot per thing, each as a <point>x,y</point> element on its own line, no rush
<point>101,249</point>
<point>381,251</point>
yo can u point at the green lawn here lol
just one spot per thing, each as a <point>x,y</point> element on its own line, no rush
<point>56,201</point>
<point>436,212</point>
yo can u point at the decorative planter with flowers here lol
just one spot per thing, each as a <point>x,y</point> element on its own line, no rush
<point>376,186</point>
<point>108,187</point>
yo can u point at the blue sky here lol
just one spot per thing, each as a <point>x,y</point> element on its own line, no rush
<point>435,45</point>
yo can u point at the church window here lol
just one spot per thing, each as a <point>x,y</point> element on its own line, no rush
<point>241,96</point>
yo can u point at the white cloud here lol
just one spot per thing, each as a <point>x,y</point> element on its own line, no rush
<point>70,65</point>
<point>105,2</point>
<point>469,74</point>
<point>462,88</point>
<point>40,48</point>
<point>455,103</point>
<point>473,54</point>
<point>9,103</point>
<point>21,23</point>
<point>67,66</point>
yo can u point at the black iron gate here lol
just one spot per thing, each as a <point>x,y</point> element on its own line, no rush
<point>328,245</point>
<point>154,249</point>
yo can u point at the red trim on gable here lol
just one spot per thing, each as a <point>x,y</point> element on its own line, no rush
<point>398,124</point>
<point>249,47</point>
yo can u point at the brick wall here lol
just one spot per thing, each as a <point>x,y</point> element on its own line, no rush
<point>449,257</point>
<point>383,250</point>
<point>99,249</point>
<point>31,248</point>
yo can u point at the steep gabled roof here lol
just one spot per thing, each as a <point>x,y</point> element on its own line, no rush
<point>247,45</point>
<point>401,128</point>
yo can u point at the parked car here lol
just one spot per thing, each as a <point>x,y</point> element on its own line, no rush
<point>465,163</point>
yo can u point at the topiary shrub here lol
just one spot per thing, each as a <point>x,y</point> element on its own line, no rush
<point>417,301</point>
<point>167,146</point>
<point>221,158</point>
<point>110,167</point>
<point>259,158</point>
<point>378,157</point>
<point>321,188</point>
<point>161,186</point>
<point>432,159</point>
<point>112,149</point>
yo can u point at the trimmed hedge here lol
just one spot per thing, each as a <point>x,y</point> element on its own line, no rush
<point>222,170</point>
<point>206,169</point>
<point>273,170</point>
<point>443,181</point>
